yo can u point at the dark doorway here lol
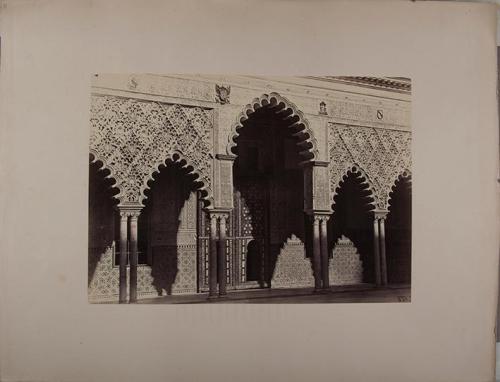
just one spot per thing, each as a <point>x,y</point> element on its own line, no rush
<point>269,196</point>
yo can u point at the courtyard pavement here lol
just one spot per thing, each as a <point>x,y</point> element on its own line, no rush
<point>342,294</point>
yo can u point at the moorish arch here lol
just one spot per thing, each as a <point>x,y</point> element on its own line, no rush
<point>178,159</point>
<point>365,182</point>
<point>271,140</point>
<point>132,138</point>
<point>350,232</point>
<point>286,110</point>
<point>168,226</point>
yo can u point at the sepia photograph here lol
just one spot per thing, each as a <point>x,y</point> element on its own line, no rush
<point>249,189</point>
<point>245,191</point>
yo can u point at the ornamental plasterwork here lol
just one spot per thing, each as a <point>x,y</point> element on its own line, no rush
<point>292,268</point>
<point>133,138</point>
<point>345,267</point>
<point>381,156</point>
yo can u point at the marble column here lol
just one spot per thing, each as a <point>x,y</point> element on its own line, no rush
<point>133,257</point>
<point>316,253</point>
<point>212,259</point>
<point>383,260</point>
<point>376,251</point>
<point>324,252</point>
<point>123,257</point>
<point>222,266</point>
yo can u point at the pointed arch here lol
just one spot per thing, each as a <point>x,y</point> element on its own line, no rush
<point>178,157</point>
<point>353,218</point>
<point>366,182</point>
<point>288,111</point>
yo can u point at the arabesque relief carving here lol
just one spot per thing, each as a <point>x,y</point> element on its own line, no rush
<point>133,138</point>
<point>380,155</point>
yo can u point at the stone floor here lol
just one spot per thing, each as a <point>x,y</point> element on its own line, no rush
<point>344,294</point>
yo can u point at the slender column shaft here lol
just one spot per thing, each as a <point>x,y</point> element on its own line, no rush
<point>324,253</point>
<point>212,259</point>
<point>316,255</point>
<point>383,260</point>
<point>123,257</point>
<point>133,258</point>
<point>222,267</point>
<point>376,253</point>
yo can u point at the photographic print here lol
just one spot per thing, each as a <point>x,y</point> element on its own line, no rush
<point>249,189</point>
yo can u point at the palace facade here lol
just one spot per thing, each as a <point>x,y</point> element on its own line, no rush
<point>204,184</point>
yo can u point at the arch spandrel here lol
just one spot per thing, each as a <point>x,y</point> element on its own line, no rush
<point>381,155</point>
<point>133,137</point>
<point>298,122</point>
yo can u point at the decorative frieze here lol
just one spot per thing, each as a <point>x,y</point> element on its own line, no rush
<point>377,115</point>
<point>168,86</point>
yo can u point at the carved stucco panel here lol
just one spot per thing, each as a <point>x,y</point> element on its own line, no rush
<point>132,138</point>
<point>226,183</point>
<point>380,155</point>
<point>321,188</point>
<point>293,269</point>
<point>346,267</point>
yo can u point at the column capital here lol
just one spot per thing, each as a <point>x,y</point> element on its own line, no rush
<point>219,213</point>
<point>380,214</point>
<point>131,210</point>
<point>320,215</point>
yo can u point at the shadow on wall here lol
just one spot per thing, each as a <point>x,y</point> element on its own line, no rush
<point>352,217</point>
<point>398,233</point>
<point>162,223</point>
<point>254,261</point>
<point>102,215</point>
